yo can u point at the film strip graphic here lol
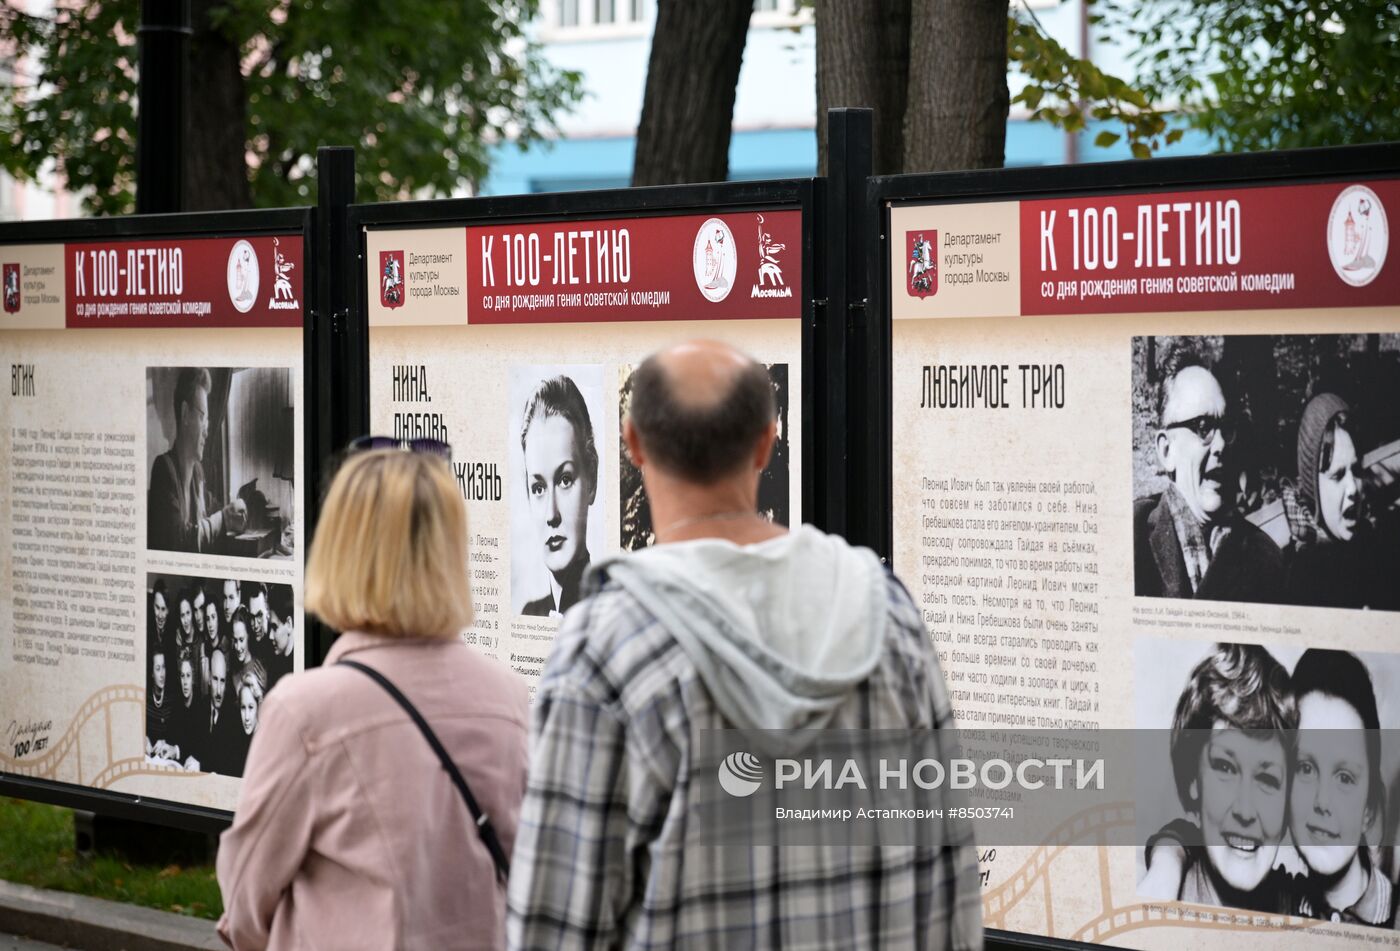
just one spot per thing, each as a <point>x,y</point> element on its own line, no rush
<point>104,721</point>
<point>1031,889</point>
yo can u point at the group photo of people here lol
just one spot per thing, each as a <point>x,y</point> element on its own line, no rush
<point>556,512</point>
<point>214,648</point>
<point>220,450</point>
<point>1282,795</point>
<point>1267,469</point>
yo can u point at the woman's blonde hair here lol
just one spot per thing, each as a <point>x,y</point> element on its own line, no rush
<point>390,554</point>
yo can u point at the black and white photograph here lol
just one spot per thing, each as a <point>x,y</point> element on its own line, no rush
<point>220,450</point>
<point>774,491</point>
<point>214,648</point>
<point>1283,762</point>
<point>556,514</point>
<point>1266,469</point>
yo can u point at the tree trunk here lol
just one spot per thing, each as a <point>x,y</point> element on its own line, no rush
<point>216,147</point>
<point>958,100</point>
<point>863,61</point>
<point>688,109</point>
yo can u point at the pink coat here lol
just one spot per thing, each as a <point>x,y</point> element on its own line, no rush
<point>348,833</point>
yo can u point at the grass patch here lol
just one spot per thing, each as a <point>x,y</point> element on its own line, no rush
<point>36,848</point>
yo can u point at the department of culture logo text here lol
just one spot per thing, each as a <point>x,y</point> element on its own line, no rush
<point>242,276</point>
<point>1358,235</point>
<point>770,272</point>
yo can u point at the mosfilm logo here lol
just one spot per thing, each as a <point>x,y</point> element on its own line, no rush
<point>12,288</point>
<point>243,276</point>
<point>740,774</point>
<point>282,296</point>
<point>391,286</point>
<point>1358,235</point>
<point>715,260</point>
<point>770,272</point>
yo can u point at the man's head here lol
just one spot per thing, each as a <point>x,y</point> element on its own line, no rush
<point>1193,434</point>
<point>231,600</point>
<point>283,626</point>
<point>218,676</point>
<point>211,621</point>
<point>199,611</point>
<point>192,387</point>
<point>257,611</point>
<point>702,413</point>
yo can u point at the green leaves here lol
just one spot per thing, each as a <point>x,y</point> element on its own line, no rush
<point>422,88</point>
<point>1066,91</point>
<point>1269,74</point>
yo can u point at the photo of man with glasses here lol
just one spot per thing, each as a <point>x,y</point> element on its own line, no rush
<point>1189,541</point>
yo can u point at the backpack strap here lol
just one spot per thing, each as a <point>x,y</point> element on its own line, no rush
<point>482,820</point>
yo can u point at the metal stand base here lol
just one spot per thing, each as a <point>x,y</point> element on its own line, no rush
<point>142,842</point>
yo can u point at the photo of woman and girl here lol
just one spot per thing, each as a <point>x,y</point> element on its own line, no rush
<point>1283,783</point>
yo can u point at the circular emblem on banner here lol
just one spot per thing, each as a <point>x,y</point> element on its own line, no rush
<point>1358,235</point>
<point>243,276</point>
<point>715,259</point>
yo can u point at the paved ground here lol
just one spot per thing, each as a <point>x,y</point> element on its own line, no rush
<point>11,943</point>
<point>93,924</point>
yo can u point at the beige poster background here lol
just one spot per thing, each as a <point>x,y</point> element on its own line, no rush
<point>1072,886</point>
<point>468,372</point>
<point>91,710</point>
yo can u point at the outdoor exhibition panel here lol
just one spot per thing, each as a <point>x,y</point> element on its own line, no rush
<point>510,328</point>
<point>151,478</point>
<point>1140,415</point>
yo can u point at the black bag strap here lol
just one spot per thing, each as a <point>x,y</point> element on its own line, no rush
<point>482,820</point>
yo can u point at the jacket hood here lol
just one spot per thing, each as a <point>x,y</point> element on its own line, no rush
<point>780,632</point>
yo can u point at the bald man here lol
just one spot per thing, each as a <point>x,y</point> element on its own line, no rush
<point>1189,541</point>
<point>730,622</point>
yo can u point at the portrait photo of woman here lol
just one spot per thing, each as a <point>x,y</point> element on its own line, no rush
<point>556,521</point>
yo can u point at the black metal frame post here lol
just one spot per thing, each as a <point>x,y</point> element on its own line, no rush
<point>163,38</point>
<point>847,403</point>
<point>330,349</point>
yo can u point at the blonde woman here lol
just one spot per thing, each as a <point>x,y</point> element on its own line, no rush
<point>350,831</point>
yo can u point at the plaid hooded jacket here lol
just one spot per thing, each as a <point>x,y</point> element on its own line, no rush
<point>609,853</point>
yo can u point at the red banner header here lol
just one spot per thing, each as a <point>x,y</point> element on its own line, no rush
<point>1219,249</point>
<point>185,282</point>
<point>742,265</point>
